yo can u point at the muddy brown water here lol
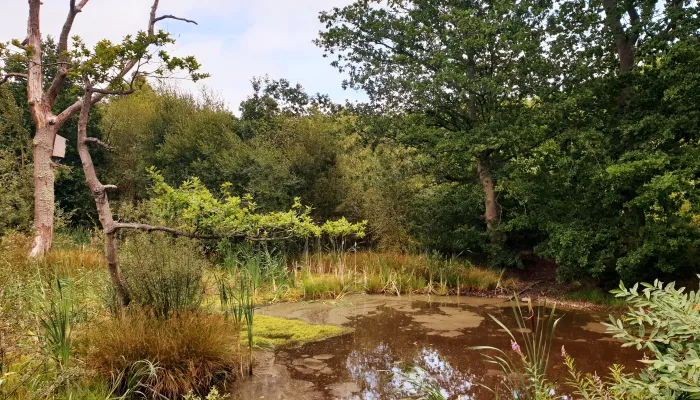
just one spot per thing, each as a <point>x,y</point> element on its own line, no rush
<point>395,333</point>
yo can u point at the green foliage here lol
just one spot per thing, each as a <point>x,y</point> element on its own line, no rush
<point>595,296</point>
<point>192,207</point>
<point>665,322</point>
<point>213,395</point>
<point>57,319</point>
<point>592,387</point>
<point>105,61</point>
<point>15,166</point>
<point>163,274</point>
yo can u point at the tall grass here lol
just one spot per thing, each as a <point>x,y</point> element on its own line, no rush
<point>192,351</point>
<point>239,304</point>
<point>261,262</point>
<point>595,296</point>
<point>57,312</point>
<point>163,274</point>
<point>395,273</point>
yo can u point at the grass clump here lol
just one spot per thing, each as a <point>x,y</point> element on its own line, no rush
<point>595,296</point>
<point>272,332</point>
<point>163,274</point>
<point>191,352</point>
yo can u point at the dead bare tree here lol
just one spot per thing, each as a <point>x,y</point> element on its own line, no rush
<point>41,103</point>
<point>93,95</point>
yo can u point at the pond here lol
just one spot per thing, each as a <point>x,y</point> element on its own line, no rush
<point>394,333</point>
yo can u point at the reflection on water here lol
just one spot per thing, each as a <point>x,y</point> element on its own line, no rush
<point>380,377</point>
<point>391,336</point>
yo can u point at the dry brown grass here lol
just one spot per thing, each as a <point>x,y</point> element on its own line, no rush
<point>76,261</point>
<point>192,352</point>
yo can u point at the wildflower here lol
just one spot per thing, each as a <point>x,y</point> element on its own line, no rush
<point>563,351</point>
<point>515,346</point>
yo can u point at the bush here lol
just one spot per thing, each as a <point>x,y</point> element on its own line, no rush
<point>163,274</point>
<point>665,323</point>
<point>191,352</point>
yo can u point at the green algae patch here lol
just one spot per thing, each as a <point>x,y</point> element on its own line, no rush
<point>273,332</point>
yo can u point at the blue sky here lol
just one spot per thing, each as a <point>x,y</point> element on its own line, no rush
<point>234,41</point>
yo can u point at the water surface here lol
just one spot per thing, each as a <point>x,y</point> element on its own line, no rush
<point>395,333</point>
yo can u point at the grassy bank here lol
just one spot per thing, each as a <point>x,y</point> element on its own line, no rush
<point>60,336</point>
<point>594,295</point>
<point>331,276</point>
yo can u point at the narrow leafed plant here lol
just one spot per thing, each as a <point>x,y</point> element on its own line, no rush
<point>57,311</point>
<point>526,376</point>
<point>239,304</point>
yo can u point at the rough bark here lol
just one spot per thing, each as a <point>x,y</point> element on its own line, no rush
<point>43,190</point>
<point>43,139</point>
<point>47,124</point>
<point>489,186</point>
<point>99,193</point>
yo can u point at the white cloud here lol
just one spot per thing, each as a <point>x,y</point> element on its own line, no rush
<point>236,39</point>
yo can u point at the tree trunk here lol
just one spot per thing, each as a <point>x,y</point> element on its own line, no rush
<point>43,190</point>
<point>491,211</point>
<point>115,274</point>
<point>99,193</point>
<point>43,139</point>
<point>624,42</point>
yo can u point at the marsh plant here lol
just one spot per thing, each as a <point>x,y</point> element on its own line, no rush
<point>264,263</point>
<point>164,275</point>
<point>57,314</point>
<point>237,302</point>
<point>525,367</point>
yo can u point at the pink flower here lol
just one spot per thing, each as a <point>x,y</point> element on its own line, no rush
<point>563,351</point>
<point>515,346</point>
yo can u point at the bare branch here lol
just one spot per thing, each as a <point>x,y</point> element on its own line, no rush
<point>162,17</point>
<point>98,142</point>
<point>63,50</point>
<point>9,75</point>
<point>74,108</point>
<point>152,228</point>
<point>113,92</point>
<point>101,93</point>
<point>152,19</point>
<point>114,187</point>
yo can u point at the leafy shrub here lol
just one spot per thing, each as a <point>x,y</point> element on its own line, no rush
<point>665,322</point>
<point>191,352</point>
<point>662,320</point>
<point>163,274</point>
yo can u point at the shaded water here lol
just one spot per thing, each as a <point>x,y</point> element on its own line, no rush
<point>433,333</point>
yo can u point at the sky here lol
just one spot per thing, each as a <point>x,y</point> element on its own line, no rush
<point>235,40</point>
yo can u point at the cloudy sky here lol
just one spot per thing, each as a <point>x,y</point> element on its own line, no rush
<point>234,41</point>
